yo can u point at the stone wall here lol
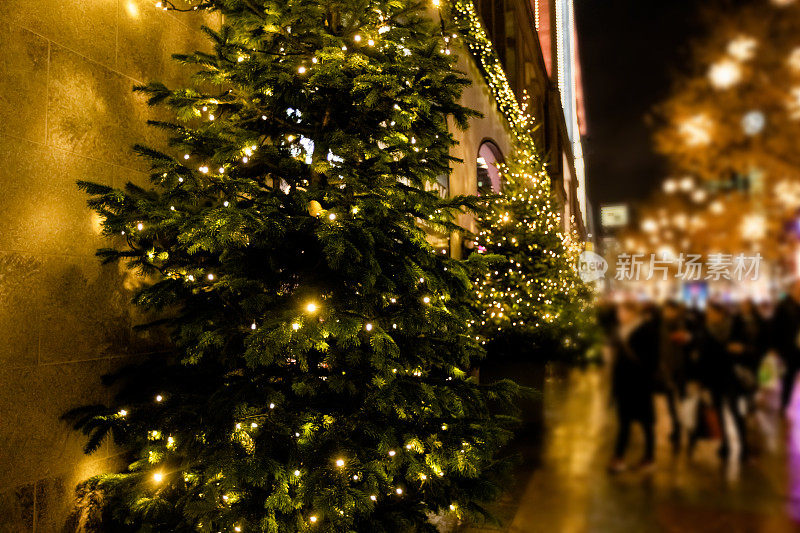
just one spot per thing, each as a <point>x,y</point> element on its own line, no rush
<point>66,113</point>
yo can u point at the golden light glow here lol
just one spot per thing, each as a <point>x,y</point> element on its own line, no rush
<point>724,74</point>
<point>696,130</point>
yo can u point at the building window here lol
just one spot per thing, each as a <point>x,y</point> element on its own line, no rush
<point>488,176</point>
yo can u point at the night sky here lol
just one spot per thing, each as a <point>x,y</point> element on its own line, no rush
<point>630,52</point>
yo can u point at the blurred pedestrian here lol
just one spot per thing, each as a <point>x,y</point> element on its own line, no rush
<point>633,382</point>
<point>786,339</point>
<point>750,332</point>
<point>673,340</point>
<point>719,351</point>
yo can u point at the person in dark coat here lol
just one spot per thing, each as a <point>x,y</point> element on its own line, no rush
<point>750,331</point>
<point>635,346</point>
<point>673,341</point>
<point>719,351</point>
<point>786,339</point>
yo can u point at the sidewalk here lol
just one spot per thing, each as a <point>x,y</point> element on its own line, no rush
<point>572,493</point>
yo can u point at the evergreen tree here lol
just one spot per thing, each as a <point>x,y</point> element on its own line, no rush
<point>533,300</point>
<point>319,378</point>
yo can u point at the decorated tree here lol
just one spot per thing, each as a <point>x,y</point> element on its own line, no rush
<point>318,377</point>
<point>732,119</point>
<point>533,300</point>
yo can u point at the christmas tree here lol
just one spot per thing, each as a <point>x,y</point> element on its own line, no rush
<point>319,373</point>
<point>532,301</point>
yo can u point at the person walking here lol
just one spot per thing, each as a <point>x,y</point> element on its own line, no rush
<point>673,340</point>
<point>719,352</point>
<point>750,332</point>
<point>786,339</point>
<point>633,382</point>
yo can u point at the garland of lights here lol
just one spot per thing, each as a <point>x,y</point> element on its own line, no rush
<point>489,62</point>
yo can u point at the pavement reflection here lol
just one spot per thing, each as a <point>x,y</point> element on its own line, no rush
<point>571,492</point>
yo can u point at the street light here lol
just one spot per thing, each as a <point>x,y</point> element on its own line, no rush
<point>687,183</point>
<point>670,186</point>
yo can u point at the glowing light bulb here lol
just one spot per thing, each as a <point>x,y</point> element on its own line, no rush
<point>272,406</point>
<point>159,398</point>
<point>140,226</point>
<point>340,463</point>
<point>211,277</point>
<point>158,477</point>
<point>332,216</point>
<point>399,491</point>
<point>392,453</point>
<point>313,519</point>
<point>427,300</point>
<point>295,326</point>
<point>724,74</point>
<point>368,327</point>
<point>311,307</point>
<point>373,498</point>
<point>357,38</point>
<point>123,412</point>
<point>301,70</point>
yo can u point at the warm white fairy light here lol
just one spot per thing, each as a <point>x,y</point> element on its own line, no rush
<point>725,73</point>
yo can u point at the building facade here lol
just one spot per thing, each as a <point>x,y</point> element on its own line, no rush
<point>69,113</point>
<point>538,47</point>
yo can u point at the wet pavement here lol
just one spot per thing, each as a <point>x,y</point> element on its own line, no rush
<point>570,491</point>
